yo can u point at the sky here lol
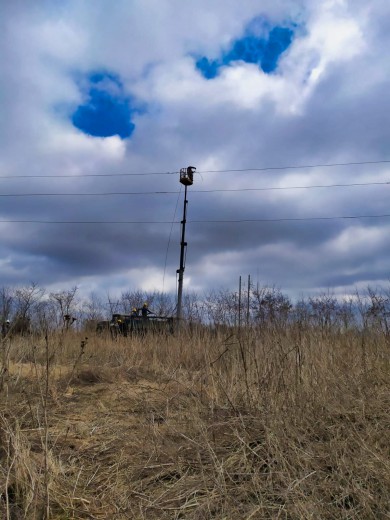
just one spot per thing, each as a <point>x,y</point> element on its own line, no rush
<point>282,106</point>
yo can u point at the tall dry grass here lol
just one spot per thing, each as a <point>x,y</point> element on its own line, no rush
<point>288,423</point>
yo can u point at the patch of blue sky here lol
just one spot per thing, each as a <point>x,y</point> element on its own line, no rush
<point>107,110</point>
<point>264,51</point>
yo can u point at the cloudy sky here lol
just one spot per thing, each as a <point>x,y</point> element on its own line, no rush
<point>282,106</point>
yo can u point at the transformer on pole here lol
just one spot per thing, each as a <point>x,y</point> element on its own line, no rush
<point>187,179</point>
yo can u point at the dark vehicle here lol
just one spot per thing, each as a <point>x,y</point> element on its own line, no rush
<point>129,324</point>
<point>103,326</point>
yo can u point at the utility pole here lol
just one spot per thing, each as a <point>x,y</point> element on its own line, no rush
<point>187,179</point>
<point>239,303</point>
<point>248,301</point>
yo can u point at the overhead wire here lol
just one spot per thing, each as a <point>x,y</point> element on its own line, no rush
<point>195,191</point>
<point>231,170</point>
<point>219,190</point>
<point>67,176</point>
<point>205,221</point>
<point>299,167</point>
<point>216,190</point>
<point>288,219</point>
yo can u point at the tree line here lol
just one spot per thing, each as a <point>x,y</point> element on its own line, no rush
<point>260,306</point>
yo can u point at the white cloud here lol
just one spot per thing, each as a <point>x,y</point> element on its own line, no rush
<point>355,239</point>
<point>109,149</point>
<point>327,103</point>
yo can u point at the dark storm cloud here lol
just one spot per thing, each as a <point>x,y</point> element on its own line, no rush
<point>247,235</point>
<point>356,124</point>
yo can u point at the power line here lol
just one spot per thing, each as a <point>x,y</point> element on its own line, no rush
<point>262,169</point>
<point>298,167</point>
<point>289,219</point>
<point>88,222</point>
<point>277,188</point>
<point>227,190</point>
<point>105,194</point>
<point>64,176</point>
<point>227,221</point>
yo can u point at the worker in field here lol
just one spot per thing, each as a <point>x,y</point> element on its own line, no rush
<point>134,312</point>
<point>5,328</point>
<point>122,326</point>
<point>69,320</point>
<point>145,311</point>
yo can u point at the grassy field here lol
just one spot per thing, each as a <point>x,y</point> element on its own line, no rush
<point>254,424</point>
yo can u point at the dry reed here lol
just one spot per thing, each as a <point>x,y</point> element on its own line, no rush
<point>252,424</point>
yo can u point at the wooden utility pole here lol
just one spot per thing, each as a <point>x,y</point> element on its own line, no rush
<point>239,303</point>
<point>248,301</point>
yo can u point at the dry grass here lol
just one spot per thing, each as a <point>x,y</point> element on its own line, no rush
<point>290,424</point>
